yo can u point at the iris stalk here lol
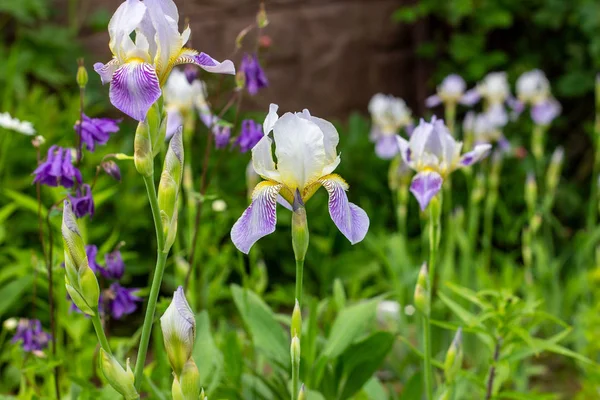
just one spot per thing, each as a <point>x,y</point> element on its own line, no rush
<point>100,333</point>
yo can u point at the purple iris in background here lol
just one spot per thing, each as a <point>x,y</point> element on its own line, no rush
<point>122,302</point>
<point>57,169</point>
<point>250,134</point>
<point>33,337</point>
<point>115,267</point>
<point>112,169</point>
<point>255,76</point>
<point>545,112</point>
<point>83,202</point>
<point>96,131</point>
<point>91,250</point>
<point>222,135</point>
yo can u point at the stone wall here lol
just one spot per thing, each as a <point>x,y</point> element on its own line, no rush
<point>329,56</point>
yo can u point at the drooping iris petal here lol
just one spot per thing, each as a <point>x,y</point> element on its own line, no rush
<point>479,152</point>
<point>425,185</point>
<point>350,219</point>
<point>134,88</point>
<point>107,70</point>
<point>299,150</point>
<point>386,147</point>
<point>471,97</point>
<point>206,62</point>
<point>545,112</point>
<point>259,219</point>
<point>433,101</point>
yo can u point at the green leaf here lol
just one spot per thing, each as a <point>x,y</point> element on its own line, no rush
<point>361,360</point>
<point>206,354</point>
<point>413,388</point>
<point>11,293</point>
<point>26,202</point>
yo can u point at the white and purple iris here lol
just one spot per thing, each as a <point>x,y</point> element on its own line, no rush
<point>533,89</point>
<point>450,91</point>
<point>389,114</point>
<point>495,91</point>
<point>141,66</point>
<point>305,147</point>
<point>433,153</point>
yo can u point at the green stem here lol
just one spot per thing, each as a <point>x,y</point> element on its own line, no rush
<point>100,333</point>
<point>156,283</point>
<point>295,380</point>
<point>427,357</point>
<point>299,276</point>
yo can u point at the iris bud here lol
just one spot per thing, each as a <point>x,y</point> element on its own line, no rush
<point>120,379</point>
<point>296,326</point>
<point>454,357</point>
<point>422,291</point>
<point>80,280</point>
<point>189,381</point>
<point>168,188</point>
<point>295,351</point>
<point>530,192</point>
<point>299,227</point>
<point>179,331</point>
<point>553,174</point>
<point>142,150</point>
<point>302,393</point>
<point>82,75</point>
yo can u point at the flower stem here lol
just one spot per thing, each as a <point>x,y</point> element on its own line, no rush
<point>427,357</point>
<point>492,376</point>
<point>100,333</point>
<point>156,283</point>
<point>299,277</point>
<point>295,380</point>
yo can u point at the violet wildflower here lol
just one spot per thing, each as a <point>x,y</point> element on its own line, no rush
<point>191,73</point>
<point>389,114</point>
<point>433,153</point>
<point>255,76</point>
<point>83,202</point>
<point>115,267</point>
<point>91,250</point>
<point>96,131</point>
<point>57,169</point>
<point>112,169</point>
<point>122,301</point>
<point>250,134</point>
<point>31,334</point>
<point>222,134</point>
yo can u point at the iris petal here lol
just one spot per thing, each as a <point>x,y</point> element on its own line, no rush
<point>424,186</point>
<point>134,88</point>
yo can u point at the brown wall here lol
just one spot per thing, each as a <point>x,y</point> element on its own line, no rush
<point>329,56</point>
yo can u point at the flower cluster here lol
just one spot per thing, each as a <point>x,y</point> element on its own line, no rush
<point>533,89</point>
<point>31,335</point>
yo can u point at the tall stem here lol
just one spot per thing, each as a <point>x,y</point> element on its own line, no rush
<point>100,333</point>
<point>156,282</point>
<point>492,376</point>
<point>427,357</point>
<point>299,277</point>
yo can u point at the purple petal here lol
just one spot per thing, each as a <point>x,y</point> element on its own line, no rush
<point>350,219</point>
<point>107,70</point>
<point>206,62</point>
<point>470,97</point>
<point>259,219</point>
<point>545,112</point>
<point>386,147</point>
<point>480,151</point>
<point>174,121</point>
<point>134,88</point>
<point>424,186</point>
<point>433,101</point>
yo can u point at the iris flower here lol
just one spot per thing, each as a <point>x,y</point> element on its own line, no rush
<point>533,89</point>
<point>389,114</point>
<point>433,153</point>
<point>451,90</point>
<point>305,147</point>
<point>141,66</point>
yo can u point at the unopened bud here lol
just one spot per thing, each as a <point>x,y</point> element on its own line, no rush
<point>82,75</point>
<point>112,169</point>
<point>142,150</point>
<point>553,173</point>
<point>536,222</point>
<point>531,192</point>
<point>202,395</point>
<point>179,331</point>
<point>80,280</point>
<point>261,18</point>
<point>10,324</point>
<point>38,141</point>
<point>302,393</point>
<point>295,350</point>
<point>120,379</point>
<point>189,381</point>
<point>454,357</point>
<point>300,234</point>
<point>422,302</point>
<point>296,325</point>
<point>169,187</point>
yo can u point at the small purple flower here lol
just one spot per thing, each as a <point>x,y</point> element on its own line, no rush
<point>112,169</point>
<point>122,302</point>
<point>91,250</point>
<point>57,169</point>
<point>30,332</point>
<point>83,202</point>
<point>191,73</point>
<point>115,267</point>
<point>250,134</point>
<point>222,134</point>
<point>255,76</point>
<point>96,131</point>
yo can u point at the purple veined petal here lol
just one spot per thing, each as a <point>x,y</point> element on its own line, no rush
<point>386,147</point>
<point>206,62</point>
<point>433,101</point>
<point>480,151</point>
<point>134,88</point>
<point>350,219</point>
<point>259,219</point>
<point>425,185</point>
<point>471,97</point>
<point>106,71</point>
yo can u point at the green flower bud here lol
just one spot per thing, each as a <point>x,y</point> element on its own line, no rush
<point>553,173</point>
<point>302,393</point>
<point>120,379</point>
<point>296,326</point>
<point>202,395</point>
<point>142,150</point>
<point>454,357</point>
<point>261,17</point>
<point>299,227</point>
<point>179,331</point>
<point>422,302</point>
<point>189,381</point>
<point>240,80</point>
<point>176,392</point>
<point>82,75</point>
<point>169,187</point>
<point>80,280</point>
<point>531,192</point>
<point>295,351</point>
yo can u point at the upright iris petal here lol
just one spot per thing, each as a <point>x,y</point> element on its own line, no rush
<point>57,169</point>
<point>96,131</point>
<point>451,90</point>
<point>255,76</point>
<point>183,98</point>
<point>140,67</point>
<point>305,147</point>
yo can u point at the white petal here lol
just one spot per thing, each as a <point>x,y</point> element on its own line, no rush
<point>124,21</point>
<point>271,118</point>
<point>262,159</point>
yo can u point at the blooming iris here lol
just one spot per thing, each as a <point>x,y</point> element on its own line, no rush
<point>305,147</point>
<point>250,134</point>
<point>83,202</point>
<point>433,153</point>
<point>115,267</point>
<point>451,91</point>
<point>57,169</point>
<point>96,131</point>
<point>254,74</point>
<point>533,88</point>
<point>122,301</point>
<point>484,128</point>
<point>389,114</point>
<point>30,332</point>
<point>140,67</point>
